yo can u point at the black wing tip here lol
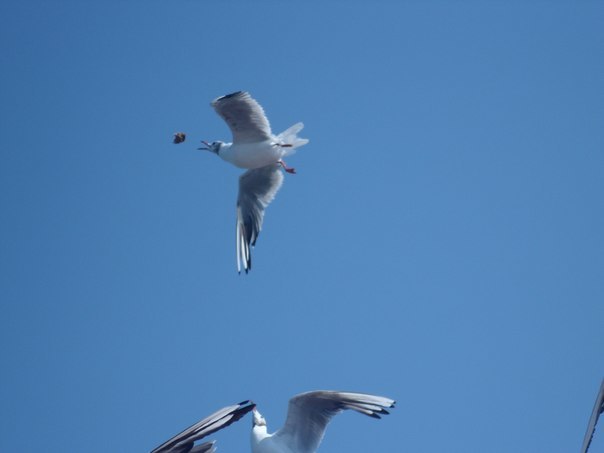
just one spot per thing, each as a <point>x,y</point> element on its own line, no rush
<point>244,407</point>
<point>230,95</point>
<point>248,268</point>
<point>379,413</point>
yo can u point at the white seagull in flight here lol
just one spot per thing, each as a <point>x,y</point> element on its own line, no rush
<point>256,148</point>
<point>184,442</point>
<point>307,418</point>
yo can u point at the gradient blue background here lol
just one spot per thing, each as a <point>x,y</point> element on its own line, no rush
<point>442,243</point>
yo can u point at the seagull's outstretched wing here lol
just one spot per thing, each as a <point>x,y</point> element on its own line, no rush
<point>184,442</point>
<point>593,420</point>
<point>257,188</point>
<point>309,413</point>
<point>244,116</point>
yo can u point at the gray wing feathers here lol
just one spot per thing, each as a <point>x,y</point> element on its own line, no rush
<point>244,116</point>
<point>207,447</point>
<point>309,413</point>
<point>184,441</point>
<point>257,188</point>
<point>593,420</point>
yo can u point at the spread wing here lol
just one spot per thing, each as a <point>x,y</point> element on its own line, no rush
<point>244,116</point>
<point>257,188</point>
<point>309,413</point>
<point>593,420</point>
<point>184,441</point>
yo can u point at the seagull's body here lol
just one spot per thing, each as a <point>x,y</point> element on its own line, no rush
<point>252,155</point>
<point>184,442</point>
<point>307,418</point>
<point>255,148</point>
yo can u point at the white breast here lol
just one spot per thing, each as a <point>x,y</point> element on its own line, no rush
<point>251,155</point>
<point>269,445</point>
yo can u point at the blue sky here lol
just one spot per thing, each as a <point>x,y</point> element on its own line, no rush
<point>441,243</point>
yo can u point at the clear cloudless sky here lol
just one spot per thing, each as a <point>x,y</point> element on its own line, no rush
<point>441,244</point>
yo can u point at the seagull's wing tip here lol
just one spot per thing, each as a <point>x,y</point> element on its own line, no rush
<point>230,95</point>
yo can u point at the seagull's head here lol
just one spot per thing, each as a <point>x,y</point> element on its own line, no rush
<point>258,418</point>
<point>214,146</point>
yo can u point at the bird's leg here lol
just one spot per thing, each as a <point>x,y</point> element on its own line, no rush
<point>287,169</point>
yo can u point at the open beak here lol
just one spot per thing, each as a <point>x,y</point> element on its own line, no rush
<point>207,147</point>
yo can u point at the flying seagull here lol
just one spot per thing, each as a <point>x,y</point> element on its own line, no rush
<point>255,148</point>
<point>593,420</point>
<point>308,416</point>
<point>185,441</point>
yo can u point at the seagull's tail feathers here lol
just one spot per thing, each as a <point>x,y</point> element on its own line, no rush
<point>290,137</point>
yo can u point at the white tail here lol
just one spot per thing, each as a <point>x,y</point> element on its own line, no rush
<point>290,137</point>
